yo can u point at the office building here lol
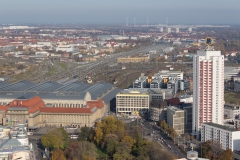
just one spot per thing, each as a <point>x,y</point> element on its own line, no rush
<point>161,29</point>
<point>141,82</point>
<point>177,30</point>
<point>169,30</point>
<point>186,98</point>
<point>208,88</point>
<point>67,48</point>
<point>225,137</point>
<point>237,86</point>
<point>167,74</point>
<point>188,117</point>
<point>137,100</point>
<point>231,111</point>
<point>175,119</point>
<point>158,112</point>
<point>231,72</point>
<point>183,85</point>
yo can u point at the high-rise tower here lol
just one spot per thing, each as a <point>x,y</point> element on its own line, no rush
<point>208,88</point>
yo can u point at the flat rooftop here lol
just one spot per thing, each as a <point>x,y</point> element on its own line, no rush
<point>141,91</point>
<point>221,126</point>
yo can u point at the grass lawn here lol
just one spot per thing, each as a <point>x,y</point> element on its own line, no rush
<point>231,97</point>
<point>64,66</point>
<point>51,72</point>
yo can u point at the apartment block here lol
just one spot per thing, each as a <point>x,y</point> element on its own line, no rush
<point>225,137</point>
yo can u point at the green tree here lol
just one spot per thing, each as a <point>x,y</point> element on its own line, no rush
<point>206,148</point>
<point>164,125</point>
<point>186,136</point>
<point>109,125</point>
<point>81,150</point>
<point>58,154</point>
<point>111,146</point>
<point>172,132</point>
<point>129,139</point>
<point>123,151</point>
<point>98,133</point>
<point>226,155</point>
<point>51,141</point>
<point>140,146</point>
<point>54,139</point>
<point>84,133</point>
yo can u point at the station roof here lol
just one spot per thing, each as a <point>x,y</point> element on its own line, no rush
<point>3,83</point>
<point>74,87</point>
<point>98,89</point>
<point>54,90</point>
<point>111,95</point>
<point>18,86</point>
<point>48,86</point>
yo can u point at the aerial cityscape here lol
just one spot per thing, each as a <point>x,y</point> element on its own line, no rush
<point>119,80</point>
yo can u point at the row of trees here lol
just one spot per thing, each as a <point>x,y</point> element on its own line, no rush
<point>110,139</point>
<point>172,133</point>
<point>208,150</point>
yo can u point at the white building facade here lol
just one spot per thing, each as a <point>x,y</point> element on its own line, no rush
<point>227,138</point>
<point>137,100</point>
<point>208,89</point>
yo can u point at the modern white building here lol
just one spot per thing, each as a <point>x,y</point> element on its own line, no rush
<point>231,72</point>
<point>169,74</point>
<point>208,89</point>
<point>231,111</point>
<point>177,30</point>
<point>161,29</point>
<point>67,48</point>
<point>190,29</point>
<point>186,98</point>
<point>169,30</point>
<point>227,138</point>
<point>137,99</point>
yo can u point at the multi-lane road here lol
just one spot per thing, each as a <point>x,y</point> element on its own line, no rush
<point>161,138</point>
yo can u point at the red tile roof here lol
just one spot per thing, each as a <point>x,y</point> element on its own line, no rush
<point>97,103</point>
<point>3,108</point>
<point>36,104</point>
<point>65,110</point>
<point>90,104</point>
<point>33,104</point>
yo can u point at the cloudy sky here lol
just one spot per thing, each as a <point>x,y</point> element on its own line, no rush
<point>116,11</point>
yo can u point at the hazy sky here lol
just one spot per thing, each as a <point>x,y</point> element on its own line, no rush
<point>116,11</point>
